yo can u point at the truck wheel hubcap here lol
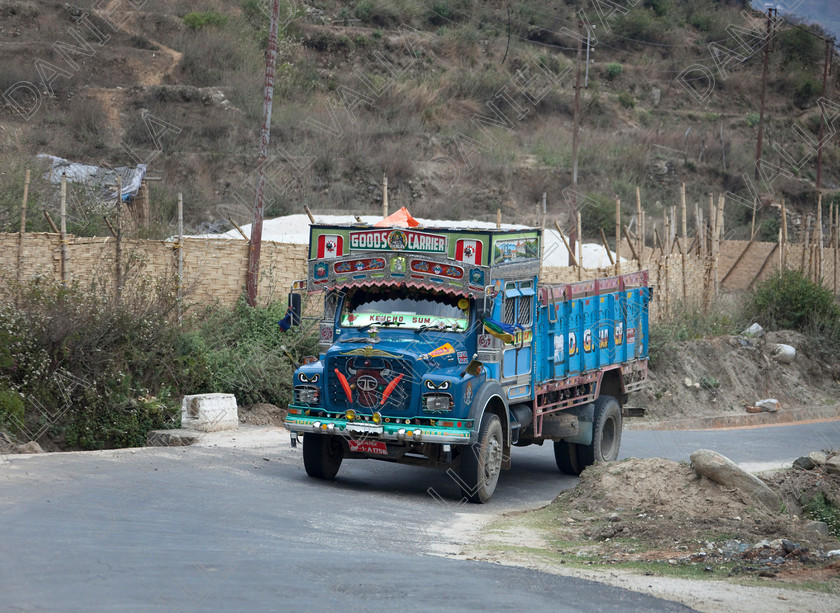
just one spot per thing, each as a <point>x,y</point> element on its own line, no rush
<point>493,460</point>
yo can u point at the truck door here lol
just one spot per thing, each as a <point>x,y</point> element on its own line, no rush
<point>518,308</point>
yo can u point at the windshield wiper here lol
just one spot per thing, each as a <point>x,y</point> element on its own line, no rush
<point>439,327</point>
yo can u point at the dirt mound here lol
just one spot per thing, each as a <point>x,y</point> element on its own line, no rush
<point>723,375</point>
<point>656,510</point>
<point>653,486</point>
<point>262,414</point>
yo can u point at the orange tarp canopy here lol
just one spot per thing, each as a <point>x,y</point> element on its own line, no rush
<point>399,219</point>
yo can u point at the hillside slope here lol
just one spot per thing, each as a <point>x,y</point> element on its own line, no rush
<point>461,103</point>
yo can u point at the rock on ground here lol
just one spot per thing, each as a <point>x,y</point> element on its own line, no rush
<point>721,469</point>
<point>30,447</point>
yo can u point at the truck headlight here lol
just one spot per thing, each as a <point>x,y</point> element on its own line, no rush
<point>437,403</point>
<point>307,395</point>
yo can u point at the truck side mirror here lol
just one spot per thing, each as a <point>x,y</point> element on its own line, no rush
<point>295,307</point>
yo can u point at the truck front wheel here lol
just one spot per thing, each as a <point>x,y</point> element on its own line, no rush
<point>606,433</point>
<point>322,455</point>
<point>481,463</point>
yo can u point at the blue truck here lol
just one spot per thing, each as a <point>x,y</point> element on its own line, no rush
<point>440,347</point>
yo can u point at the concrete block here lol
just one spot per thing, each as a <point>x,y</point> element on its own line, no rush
<point>209,412</point>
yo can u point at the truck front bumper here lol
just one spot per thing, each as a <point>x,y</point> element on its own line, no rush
<point>390,432</point>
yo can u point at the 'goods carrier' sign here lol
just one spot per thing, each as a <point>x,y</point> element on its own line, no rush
<point>397,240</point>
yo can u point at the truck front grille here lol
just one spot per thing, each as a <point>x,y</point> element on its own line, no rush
<point>368,379</point>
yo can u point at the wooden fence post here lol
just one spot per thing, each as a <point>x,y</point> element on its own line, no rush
<point>118,255</point>
<point>684,220</point>
<point>617,236</point>
<point>180,247</point>
<point>579,247</point>
<point>640,226</point>
<point>566,243</point>
<point>716,244</point>
<point>784,236</point>
<point>606,246</point>
<point>632,248</point>
<point>22,226</point>
<point>819,263</point>
<point>65,252</point>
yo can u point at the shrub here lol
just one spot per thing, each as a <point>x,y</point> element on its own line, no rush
<point>800,46</point>
<point>254,10</point>
<point>239,351</point>
<point>626,100</point>
<point>791,301</point>
<point>660,7</point>
<point>753,119</point>
<point>640,25</point>
<point>614,69</point>
<point>110,370</point>
<point>807,89</point>
<point>597,213</point>
<point>100,366</point>
<point>197,20</point>
<point>363,10</point>
<point>701,21</point>
<point>209,57</point>
<point>11,410</point>
<point>386,12</point>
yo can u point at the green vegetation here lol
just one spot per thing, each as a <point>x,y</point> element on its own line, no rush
<point>807,88</point>
<point>597,213</point>
<point>785,301</point>
<point>642,25</point>
<point>385,93</point>
<point>626,100</point>
<point>791,301</point>
<point>11,410</point>
<point>800,46</point>
<point>820,509</point>
<point>197,20</point>
<point>753,119</point>
<point>96,372</point>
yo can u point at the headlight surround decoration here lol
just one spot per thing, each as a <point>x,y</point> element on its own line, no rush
<point>437,403</point>
<point>437,386</point>
<point>307,394</point>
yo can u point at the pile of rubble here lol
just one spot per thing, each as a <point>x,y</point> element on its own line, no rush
<point>709,514</point>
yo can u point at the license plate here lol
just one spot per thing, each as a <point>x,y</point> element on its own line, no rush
<point>365,428</point>
<point>377,447</point>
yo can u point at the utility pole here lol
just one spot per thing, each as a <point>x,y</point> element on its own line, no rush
<point>828,51</point>
<point>255,244</point>
<point>588,44</point>
<point>576,133</point>
<point>770,15</point>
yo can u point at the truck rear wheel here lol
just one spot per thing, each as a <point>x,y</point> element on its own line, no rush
<point>481,463</point>
<point>322,455</point>
<point>566,456</point>
<point>606,433</point>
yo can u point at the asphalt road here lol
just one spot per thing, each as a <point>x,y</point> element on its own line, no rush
<point>192,529</point>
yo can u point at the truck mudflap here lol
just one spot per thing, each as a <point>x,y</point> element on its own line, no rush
<point>586,416</point>
<point>445,431</point>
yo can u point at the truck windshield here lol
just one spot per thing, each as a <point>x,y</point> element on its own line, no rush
<point>407,308</point>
